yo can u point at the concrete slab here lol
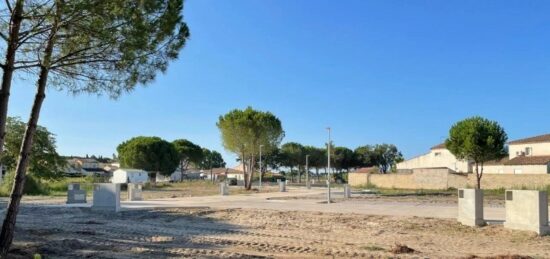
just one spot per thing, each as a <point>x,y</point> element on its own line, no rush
<point>527,210</point>
<point>106,197</point>
<point>135,192</point>
<point>470,207</point>
<point>75,195</point>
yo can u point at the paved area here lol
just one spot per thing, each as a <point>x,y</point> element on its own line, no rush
<point>290,201</point>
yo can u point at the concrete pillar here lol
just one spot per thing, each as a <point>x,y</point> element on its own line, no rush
<point>470,207</point>
<point>74,194</point>
<point>224,190</point>
<point>134,192</point>
<point>106,197</point>
<point>282,186</point>
<point>347,191</point>
<point>527,210</point>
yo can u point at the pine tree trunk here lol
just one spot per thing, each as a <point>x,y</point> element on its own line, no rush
<point>8,226</point>
<point>245,176</point>
<point>12,44</point>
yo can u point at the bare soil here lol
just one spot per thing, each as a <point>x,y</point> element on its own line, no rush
<point>245,233</point>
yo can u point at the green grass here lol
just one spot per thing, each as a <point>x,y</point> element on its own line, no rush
<point>34,186</point>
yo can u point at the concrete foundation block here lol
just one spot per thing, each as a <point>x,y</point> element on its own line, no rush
<point>224,189</point>
<point>282,186</point>
<point>75,195</point>
<point>347,191</point>
<point>106,197</point>
<point>527,210</point>
<point>470,207</point>
<point>135,192</point>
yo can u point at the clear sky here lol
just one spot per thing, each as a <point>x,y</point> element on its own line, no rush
<point>399,72</point>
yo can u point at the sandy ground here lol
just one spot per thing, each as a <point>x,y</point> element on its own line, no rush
<point>246,233</point>
<point>268,225</point>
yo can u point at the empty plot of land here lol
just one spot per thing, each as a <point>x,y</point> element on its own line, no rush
<point>251,233</point>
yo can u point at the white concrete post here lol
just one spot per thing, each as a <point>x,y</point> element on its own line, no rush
<point>470,207</point>
<point>74,194</point>
<point>224,189</point>
<point>527,210</point>
<point>347,191</point>
<point>135,192</point>
<point>106,197</point>
<point>282,186</point>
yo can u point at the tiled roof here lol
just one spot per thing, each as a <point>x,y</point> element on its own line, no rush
<point>439,146</point>
<point>502,161</point>
<point>535,139</point>
<point>528,160</point>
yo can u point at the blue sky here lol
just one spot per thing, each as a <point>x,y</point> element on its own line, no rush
<point>399,72</point>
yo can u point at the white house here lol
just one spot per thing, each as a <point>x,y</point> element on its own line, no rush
<point>130,176</point>
<point>526,156</point>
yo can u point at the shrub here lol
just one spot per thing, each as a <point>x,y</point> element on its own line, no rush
<point>32,185</point>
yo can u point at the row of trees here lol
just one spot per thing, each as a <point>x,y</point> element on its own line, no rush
<point>83,46</point>
<point>244,132</point>
<point>156,155</point>
<point>293,155</point>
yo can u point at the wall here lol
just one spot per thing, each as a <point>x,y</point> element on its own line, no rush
<point>439,178</point>
<point>440,157</point>
<point>444,179</point>
<point>515,169</point>
<point>538,149</point>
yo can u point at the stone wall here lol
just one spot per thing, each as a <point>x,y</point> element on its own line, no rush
<point>440,179</point>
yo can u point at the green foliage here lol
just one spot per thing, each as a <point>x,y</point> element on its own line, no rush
<point>151,154</point>
<point>343,158</point>
<point>211,159</point>
<point>385,156</point>
<point>317,156</point>
<point>292,154</point>
<point>45,162</point>
<point>477,139</point>
<point>243,131</point>
<point>189,153</point>
<point>32,185</point>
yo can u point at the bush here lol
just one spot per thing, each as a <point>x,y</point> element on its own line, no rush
<point>32,185</point>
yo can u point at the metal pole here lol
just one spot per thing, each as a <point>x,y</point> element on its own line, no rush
<point>261,166</point>
<point>308,185</point>
<point>328,166</point>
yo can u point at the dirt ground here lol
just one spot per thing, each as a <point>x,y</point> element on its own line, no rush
<point>246,233</point>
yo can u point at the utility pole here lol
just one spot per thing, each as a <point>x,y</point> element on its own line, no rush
<point>261,166</point>
<point>328,166</point>
<point>308,185</point>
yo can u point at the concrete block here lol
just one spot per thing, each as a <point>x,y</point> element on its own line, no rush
<point>75,195</point>
<point>224,189</point>
<point>134,192</point>
<point>347,191</point>
<point>470,207</point>
<point>106,197</point>
<point>282,186</point>
<point>527,210</point>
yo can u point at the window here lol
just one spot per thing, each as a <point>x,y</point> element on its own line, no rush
<point>437,153</point>
<point>528,151</point>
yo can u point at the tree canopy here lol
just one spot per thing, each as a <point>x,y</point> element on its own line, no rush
<point>211,159</point>
<point>45,162</point>
<point>477,139</point>
<point>243,131</point>
<point>189,153</point>
<point>151,154</point>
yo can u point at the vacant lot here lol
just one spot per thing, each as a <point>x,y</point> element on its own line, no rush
<point>246,233</point>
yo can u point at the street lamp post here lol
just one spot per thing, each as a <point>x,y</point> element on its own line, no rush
<point>328,166</point>
<point>308,185</point>
<point>261,166</point>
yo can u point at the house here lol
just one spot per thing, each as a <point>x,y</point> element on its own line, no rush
<point>438,157</point>
<point>526,156</point>
<point>127,175</point>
